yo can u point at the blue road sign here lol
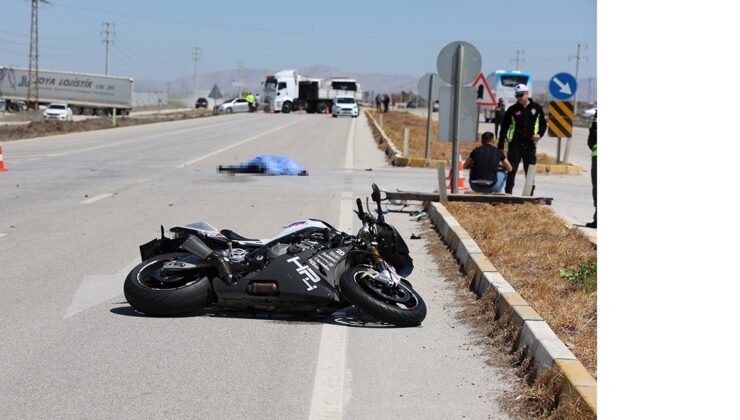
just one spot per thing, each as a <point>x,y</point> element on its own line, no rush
<point>563,86</point>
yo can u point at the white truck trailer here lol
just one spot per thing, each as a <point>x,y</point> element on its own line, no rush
<point>88,94</point>
<point>288,91</point>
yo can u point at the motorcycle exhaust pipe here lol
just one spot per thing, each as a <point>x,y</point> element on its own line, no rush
<point>263,288</point>
<point>198,248</point>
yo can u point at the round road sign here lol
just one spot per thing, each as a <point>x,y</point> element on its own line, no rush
<point>423,86</point>
<point>563,86</point>
<point>447,60</point>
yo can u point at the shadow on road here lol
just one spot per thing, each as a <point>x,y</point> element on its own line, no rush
<point>349,316</point>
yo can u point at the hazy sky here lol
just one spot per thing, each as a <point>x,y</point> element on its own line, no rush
<point>154,39</point>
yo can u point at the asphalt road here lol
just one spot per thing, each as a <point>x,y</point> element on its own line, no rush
<point>73,210</point>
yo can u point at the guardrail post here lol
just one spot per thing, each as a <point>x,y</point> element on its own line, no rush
<point>114,117</point>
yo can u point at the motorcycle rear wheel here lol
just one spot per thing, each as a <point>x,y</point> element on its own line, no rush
<point>406,309</point>
<point>147,291</point>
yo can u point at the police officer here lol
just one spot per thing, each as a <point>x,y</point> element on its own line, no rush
<point>592,147</point>
<point>523,126</point>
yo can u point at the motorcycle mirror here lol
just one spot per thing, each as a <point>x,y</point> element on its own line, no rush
<point>376,193</point>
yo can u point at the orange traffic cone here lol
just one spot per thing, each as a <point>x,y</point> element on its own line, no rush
<point>460,178</point>
<point>2,164</point>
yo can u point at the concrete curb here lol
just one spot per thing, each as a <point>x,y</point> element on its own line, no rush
<point>391,151</point>
<point>535,336</point>
<point>558,169</point>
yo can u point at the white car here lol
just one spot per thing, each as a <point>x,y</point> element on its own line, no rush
<point>234,105</point>
<point>589,112</point>
<point>344,105</point>
<point>58,112</point>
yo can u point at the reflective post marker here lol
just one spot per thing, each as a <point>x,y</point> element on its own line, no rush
<point>405,142</point>
<point>567,150</point>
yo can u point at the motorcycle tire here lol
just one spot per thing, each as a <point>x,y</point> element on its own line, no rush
<point>172,298</point>
<point>359,294</point>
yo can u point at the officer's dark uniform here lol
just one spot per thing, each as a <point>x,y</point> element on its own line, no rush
<point>592,147</point>
<point>520,124</point>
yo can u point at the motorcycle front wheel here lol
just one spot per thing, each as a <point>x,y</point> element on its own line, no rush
<point>151,290</point>
<point>401,305</point>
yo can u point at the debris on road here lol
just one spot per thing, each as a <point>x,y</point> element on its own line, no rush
<point>266,164</point>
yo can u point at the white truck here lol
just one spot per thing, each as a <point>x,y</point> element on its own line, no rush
<point>88,94</point>
<point>288,90</point>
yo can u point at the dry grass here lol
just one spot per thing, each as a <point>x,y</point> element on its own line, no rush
<point>498,333</point>
<point>50,128</point>
<point>395,121</point>
<point>529,245</point>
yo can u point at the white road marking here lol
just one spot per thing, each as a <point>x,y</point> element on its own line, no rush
<point>349,158</point>
<point>96,289</point>
<point>96,198</point>
<point>328,387</point>
<point>239,143</point>
<point>327,400</point>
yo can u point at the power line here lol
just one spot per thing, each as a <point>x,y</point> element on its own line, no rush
<point>109,29</point>
<point>196,59</point>
<point>517,59</point>
<point>578,57</point>
<point>33,56</point>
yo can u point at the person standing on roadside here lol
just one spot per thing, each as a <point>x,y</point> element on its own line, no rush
<point>386,102</point>
<point>523,126</point>
<point>592,147</point>
<point>498,117</point>
<point>377,102</point>
<point>488,166</point>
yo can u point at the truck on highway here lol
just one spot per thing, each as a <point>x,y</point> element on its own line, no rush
<point>87,94</point>
<point>288,91</point>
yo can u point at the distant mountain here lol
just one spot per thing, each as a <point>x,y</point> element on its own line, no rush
<point>228,81</point>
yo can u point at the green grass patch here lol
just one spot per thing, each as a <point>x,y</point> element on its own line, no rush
<point>584,275</point>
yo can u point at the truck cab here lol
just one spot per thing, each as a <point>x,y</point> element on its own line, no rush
<point>288,91</point>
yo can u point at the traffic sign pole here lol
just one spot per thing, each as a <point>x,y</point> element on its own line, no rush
<point>455,118</point>
<point>567,151</point>
<point>430,109</point>
<point>558,159</point>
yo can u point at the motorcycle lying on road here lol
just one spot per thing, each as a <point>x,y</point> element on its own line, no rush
<point>309,267</point>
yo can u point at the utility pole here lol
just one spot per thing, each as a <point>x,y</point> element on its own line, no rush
<point>517,59</point>
<point>109,29</point>
<point>578,57</point>
<point>33,56</point>
<point>196,59</point>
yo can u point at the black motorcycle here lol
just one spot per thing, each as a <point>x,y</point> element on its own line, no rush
<point>309,267</point>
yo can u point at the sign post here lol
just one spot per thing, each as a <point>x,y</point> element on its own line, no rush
<point>562,87</point>
<point>458,63</point>
<point>429,90</point>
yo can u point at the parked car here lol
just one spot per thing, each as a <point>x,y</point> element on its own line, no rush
<point>58,112</point>
<point>233,105</point>
<point>201,103</point>
<point>344,105</point>
<point>589,112</point>
<point>411,105</point>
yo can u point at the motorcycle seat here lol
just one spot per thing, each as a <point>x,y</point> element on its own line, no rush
<point>235,236</point>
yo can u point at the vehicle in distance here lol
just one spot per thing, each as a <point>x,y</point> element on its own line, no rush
<point>201,103</point>
<point>589,112</point>
<point>502,84</point>
<point>87,94</point>
<point>287,91</point>
<point>344,105</point>
<point>233,105</point>
<point>58,112</point>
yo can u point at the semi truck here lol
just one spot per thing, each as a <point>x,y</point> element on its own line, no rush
<point>288,91</point>
<point>87,94</point>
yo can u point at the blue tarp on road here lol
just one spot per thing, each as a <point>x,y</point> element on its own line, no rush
<point>267,164</point>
